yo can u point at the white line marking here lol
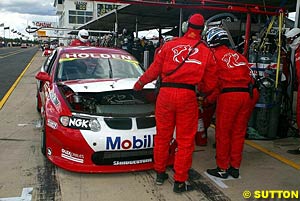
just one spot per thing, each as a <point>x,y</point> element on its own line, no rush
<point>25,196</point>
<point>219,181</point>
<point>23,125</point>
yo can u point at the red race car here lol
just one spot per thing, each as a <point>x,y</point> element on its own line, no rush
<point>92,119</point>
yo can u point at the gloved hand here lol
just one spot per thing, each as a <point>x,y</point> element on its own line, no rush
<point>200,100</point>
<point>138,86</point>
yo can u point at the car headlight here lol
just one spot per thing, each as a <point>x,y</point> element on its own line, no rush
<point>80,123</point>
<point>64,120</point>
<point>95,125</point>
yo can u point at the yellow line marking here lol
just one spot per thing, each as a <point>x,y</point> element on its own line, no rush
<point>4,99</point>
<point>272,154</point>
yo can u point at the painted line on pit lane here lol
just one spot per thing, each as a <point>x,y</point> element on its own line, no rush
<point>272,154</point>
<point>25,196</point>
<point>6,96</point>
<point>10,53</point>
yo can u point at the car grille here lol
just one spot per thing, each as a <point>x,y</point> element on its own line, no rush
<point>126,123</point>
<point>145,122</point>
<point>119,123</point>
<point>127,157</point>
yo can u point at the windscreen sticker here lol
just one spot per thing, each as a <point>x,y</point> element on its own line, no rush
<point>66,59</point>
<point>96,55</point>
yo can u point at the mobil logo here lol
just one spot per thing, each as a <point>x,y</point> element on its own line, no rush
<point>113,143</point>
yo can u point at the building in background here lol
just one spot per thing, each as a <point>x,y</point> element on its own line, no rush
<point>73,14</point>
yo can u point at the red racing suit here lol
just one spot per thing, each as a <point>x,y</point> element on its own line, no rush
<point>297,64</point>
<point>178,107</point>
<point>77,42</point>
<point>234,106</point>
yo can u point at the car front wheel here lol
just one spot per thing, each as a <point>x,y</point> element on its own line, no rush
<point>43,140</point>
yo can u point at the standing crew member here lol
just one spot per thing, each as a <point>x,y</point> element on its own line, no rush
<point>176,104</point>
<point>234,104</point>
<point>83,39</point>
<point>293,39</point>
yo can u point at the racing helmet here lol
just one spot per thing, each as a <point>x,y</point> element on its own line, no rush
<point>83,35</point>
<point>216,36</point>
<point>293,38</point>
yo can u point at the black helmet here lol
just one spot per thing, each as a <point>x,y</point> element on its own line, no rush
<point>216,36</point>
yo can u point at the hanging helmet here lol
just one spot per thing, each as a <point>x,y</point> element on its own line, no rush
<point>216,36</point>
<point>293,38</point>
<point>196,21</point>
<point>83,35</point>
<point>184,27</point>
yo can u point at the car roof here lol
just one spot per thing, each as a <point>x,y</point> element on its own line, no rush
<point>89,49</point>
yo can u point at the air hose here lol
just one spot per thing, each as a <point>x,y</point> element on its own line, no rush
<point>279,47</point>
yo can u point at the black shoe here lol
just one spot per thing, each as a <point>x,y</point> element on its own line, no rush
<point>161,177</point>
<point>180,187</point>
<point>235,173</point>
<point>217,172</point>
<point>295,151</point>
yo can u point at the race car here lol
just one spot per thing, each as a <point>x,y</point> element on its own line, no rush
<point>93,121</point>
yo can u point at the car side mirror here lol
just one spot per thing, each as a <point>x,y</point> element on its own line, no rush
<point>43,76</point>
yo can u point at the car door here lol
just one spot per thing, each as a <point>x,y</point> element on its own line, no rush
<point>47,67</point>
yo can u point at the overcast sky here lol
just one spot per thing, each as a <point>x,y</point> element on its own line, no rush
<point>18,14</point>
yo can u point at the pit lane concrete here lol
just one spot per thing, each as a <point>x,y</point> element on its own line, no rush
<point>23,165</point>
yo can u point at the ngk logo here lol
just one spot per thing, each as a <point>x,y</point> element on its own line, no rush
<point>79,123</point>
<point>135,143</point>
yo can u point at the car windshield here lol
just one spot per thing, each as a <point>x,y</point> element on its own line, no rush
<point>97,68</point>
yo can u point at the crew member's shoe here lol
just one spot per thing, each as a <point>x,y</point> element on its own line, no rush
<point>180,187</point>
<point>235,173</point>
<point>161,177</point>
<point>217,172</point>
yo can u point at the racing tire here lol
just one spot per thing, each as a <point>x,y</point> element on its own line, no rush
<point>38,107</point>
<point>43,140</point>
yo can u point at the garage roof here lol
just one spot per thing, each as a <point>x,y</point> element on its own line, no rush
<point>151,14</point>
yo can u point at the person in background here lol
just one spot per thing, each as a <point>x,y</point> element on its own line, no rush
<point>82,40</point>
<point>235,103</point>
<point>293,40</point>
<point>176,104</point>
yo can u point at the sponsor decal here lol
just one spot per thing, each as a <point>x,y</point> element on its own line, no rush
<point>93,55</point>
<point>42,24</point>
<point>79,123</point>
<point>54,98</point>
<point>148,160</point>
<point>117,143</point>
<point>79,158</point>
<point>52,124</point>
